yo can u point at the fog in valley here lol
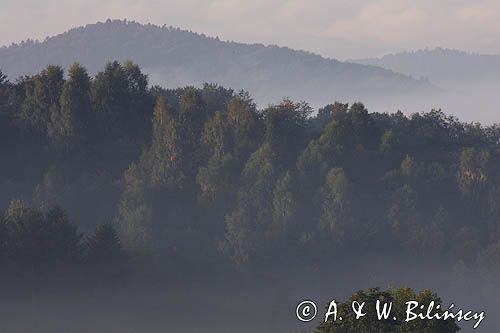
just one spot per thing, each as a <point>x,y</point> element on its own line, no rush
<point>155,179</point>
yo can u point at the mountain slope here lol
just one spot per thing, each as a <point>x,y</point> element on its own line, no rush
<point>471,81</point>
<point>175,57</point>
<point>442,66</point>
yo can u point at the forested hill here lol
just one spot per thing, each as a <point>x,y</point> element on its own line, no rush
<point>174,57</point>
<point>441,65</point>
<point>200,183</point>
<point>202,174</point>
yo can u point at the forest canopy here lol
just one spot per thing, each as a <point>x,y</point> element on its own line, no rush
<point>203,175</point>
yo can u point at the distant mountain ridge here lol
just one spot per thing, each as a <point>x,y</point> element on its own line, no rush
<point>470,81</point>
<point>440,65</point>
<point>175,57</point>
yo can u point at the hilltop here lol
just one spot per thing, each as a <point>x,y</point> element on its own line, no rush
<point>173,57</point>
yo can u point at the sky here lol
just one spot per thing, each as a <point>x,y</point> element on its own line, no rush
<point>339,29</point>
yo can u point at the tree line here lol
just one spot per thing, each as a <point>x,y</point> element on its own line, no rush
<point>34,241</point>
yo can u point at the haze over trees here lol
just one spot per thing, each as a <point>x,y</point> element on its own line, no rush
<point>175,57</point>
<point>459,83</point>
<point>470,81</point>
<point>442,66</point>
<point>203,172</point>
<point>203,180</point>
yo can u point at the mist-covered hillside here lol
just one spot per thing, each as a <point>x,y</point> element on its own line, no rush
<point>174,57</point>
<point>470,82</point>
<point>441,66</point>
<point>152,202</point>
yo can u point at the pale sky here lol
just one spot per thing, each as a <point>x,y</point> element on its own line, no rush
<point>333,28</point>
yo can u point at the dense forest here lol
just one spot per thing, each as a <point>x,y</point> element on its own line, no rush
<point>190,171</point>
<point>105,170</point>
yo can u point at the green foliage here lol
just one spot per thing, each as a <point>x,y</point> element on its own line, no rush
<point>251,220</point>
<point>284,125</point>
<point>229,138</point>
<point>104,245</point>
<point>35,241</point>
<point>217,177</point>
<point>330,112</point>
<point>284,206</point>
<point>473,172</point>
<point>167,147</point>
<point>121,102</point>
<point>387,141</point>
<point>69,122</point>
<point>335,217</point>
<point>42,94</point>
<point>134,212</point>
<point>39,240</point>
<point>190,171</point>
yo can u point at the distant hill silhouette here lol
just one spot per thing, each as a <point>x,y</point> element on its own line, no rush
<point>441,66</point>
<point>175,57</point>
<point>470,81</point>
